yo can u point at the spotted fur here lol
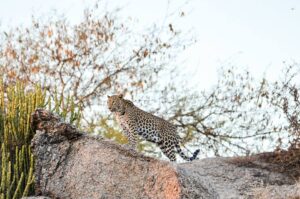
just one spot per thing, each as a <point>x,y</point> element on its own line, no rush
<point>135,121</point>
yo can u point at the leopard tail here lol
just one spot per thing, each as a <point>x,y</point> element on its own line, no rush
<point>185,157</point>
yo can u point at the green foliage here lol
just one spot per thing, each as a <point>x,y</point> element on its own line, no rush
<point>16,106</point>
<point>17,161</point>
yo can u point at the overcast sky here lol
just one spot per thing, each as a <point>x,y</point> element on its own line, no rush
<point>258,34</point>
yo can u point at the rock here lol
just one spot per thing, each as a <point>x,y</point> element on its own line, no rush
<point>278,192</point>
<point>70,164</point>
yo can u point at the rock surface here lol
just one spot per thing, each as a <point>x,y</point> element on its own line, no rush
<point>70,164</point>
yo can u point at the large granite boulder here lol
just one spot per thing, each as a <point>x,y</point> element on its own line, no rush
<point>71,164</point>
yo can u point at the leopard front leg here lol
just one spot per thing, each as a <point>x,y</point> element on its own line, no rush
<point>132,138</point>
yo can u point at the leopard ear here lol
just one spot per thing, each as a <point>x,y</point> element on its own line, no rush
<point>120,96</point>
<point>108,96</point>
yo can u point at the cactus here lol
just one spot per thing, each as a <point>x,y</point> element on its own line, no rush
<point>16,105</point>
<point>17,162</point>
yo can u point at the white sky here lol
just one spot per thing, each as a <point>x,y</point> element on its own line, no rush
<point>258,34</point>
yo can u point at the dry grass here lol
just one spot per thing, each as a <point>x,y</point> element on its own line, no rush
<point>282,161</point>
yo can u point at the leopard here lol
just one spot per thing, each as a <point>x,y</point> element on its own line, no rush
<point>136,123</point>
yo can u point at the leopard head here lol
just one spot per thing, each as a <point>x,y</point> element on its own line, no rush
<point>115,103</point>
